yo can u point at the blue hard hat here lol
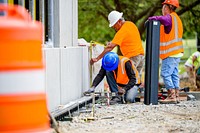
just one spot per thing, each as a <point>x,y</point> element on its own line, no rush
<point>110,61</point>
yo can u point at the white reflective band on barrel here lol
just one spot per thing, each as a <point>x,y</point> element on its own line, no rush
<point>15,82</point>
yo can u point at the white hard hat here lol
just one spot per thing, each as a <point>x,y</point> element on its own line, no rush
<point>113,17</point>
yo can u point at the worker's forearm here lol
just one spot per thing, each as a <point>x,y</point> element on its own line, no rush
<point>131,75</point>
<point>106,50</point>
<point>99,77</point>
<point>193,59</point>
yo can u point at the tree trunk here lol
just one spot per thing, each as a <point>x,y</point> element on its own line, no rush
<point>198,41</point>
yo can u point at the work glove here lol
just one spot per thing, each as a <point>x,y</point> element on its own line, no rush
<point>91,89</point>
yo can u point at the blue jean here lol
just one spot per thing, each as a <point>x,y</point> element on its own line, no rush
<point>169,72</point>
<point>111,81</point>
<point>131,94</point>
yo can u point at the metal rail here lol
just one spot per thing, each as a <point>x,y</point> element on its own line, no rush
<point>66,110</point>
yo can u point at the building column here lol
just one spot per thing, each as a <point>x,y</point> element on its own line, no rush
<point>68,23</point>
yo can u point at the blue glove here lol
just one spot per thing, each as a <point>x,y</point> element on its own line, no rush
<point>91,89</point>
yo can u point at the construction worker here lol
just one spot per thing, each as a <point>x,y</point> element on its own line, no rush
<point>128,39</point>
<point>198,79</point>
<point>126,76</point>
<point>171,48</point>
<point>191,65</point>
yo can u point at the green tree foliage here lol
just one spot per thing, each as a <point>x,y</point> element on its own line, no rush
<point>93,24</point>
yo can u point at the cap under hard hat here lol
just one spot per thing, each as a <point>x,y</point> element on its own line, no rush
<point>110,61</point>
<point>172,2</point>
<point>113,17</point>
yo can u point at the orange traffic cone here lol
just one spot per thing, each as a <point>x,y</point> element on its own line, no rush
<point>23,106</point>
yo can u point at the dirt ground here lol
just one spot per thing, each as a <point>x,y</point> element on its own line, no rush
<point>137,118</point>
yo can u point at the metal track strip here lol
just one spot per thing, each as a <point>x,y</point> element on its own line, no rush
<point>63,109</point>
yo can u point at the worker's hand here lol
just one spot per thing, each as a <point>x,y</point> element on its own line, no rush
<point>91,89</point>
<point>192,68</point>
<point>108,44</point>
<point>93,60</point>
<point>121,91</point>
<point>152,18</point>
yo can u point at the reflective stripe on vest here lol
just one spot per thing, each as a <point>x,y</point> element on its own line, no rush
<point>178,48</point>
<point>122,64</point>
<point>171,49</point>
<point>122,77</point>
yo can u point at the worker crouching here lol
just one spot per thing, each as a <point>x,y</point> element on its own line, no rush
<point>125,74</point>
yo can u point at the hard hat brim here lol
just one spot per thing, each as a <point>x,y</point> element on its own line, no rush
<point>111,25</point>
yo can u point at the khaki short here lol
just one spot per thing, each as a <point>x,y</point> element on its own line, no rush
<point>138,62</point>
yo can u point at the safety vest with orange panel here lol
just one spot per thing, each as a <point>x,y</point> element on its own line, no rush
<point>171,44</point>
<point>121,76</point>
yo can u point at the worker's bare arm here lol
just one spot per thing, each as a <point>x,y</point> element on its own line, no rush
<point>108,48</point>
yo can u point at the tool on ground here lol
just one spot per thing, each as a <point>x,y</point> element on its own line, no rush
<point>108,117</point>
<point>123,99</point>
<point>121,92</point>
<point>93,109</point>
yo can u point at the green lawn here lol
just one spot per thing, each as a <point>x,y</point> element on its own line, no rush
<point>189,47</point>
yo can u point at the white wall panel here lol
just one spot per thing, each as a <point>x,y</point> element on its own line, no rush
<point>85,68</point>
<point>97,50</point>
<point>52,76</point>
<point>71,74</point>
<point>67,74</point>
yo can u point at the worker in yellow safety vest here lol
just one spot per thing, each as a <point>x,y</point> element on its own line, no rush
<point>125,73</point>
<point>191,66</point>
<point>171,48</point>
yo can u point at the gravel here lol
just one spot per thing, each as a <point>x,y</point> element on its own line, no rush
<point>137,118</point>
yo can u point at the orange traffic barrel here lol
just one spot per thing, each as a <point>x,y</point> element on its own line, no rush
<point>23,104</point>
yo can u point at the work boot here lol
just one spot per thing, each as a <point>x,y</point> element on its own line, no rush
<point>115,100</point>
<point>177,95</point>
<point>171,98</point>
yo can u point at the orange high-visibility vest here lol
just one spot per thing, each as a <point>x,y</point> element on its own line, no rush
<point>171,44</point>
<point>121,76</point>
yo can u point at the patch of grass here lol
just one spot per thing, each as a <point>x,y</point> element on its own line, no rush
<point>190,46</point>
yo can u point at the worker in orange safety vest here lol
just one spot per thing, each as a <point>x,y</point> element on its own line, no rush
<point>171,48</point>
<point>125,74</point>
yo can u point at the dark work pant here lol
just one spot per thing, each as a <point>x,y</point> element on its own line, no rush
<point>111,81</point>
